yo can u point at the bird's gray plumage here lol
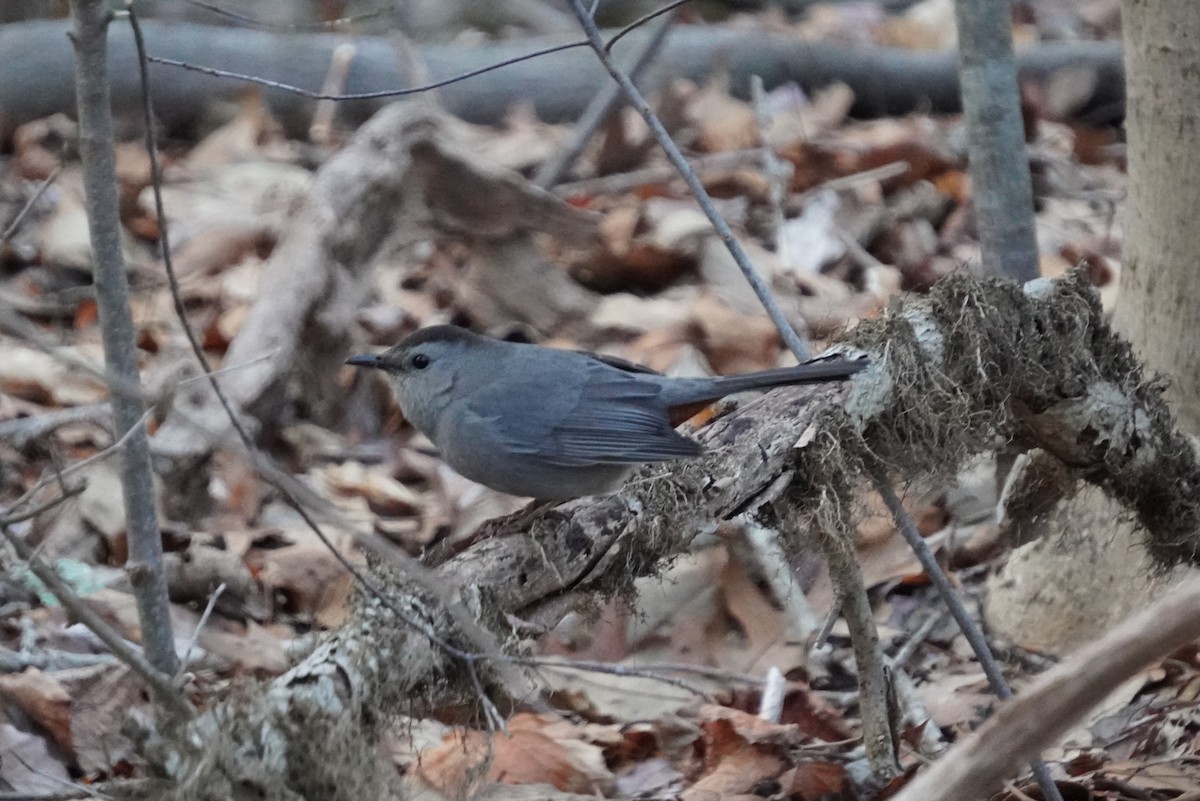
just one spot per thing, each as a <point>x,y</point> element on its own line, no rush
<point>553,423</point>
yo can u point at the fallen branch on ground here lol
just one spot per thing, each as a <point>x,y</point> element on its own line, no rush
<point>1058,699</point>
<point>971,363</point>
<point>886,81</point>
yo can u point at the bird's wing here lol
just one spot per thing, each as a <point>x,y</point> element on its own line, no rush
<point>615,417</point>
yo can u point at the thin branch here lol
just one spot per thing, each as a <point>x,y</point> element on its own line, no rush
<point>602,107</point>
<point>320,130</point>
<point>415,90</point>
<point>879,730</point>
<point>770,706</point>
<point>966,623</point>
<point>73,468</point>
<point>13,518</point>
<point>14,325</point>
<point>786,331</point>
<point>880,173</point>
<point>13,226</point>
<point>164,690</point>
<point>468,628</point>
<point>296,90</point>
<point>624,181</point>
<point>606,669</point>
<point>208,610</point>
<point>262,463</point>
<point>144,565</point>
<point>21,430</point>
<point>779,171</point>
<point>639,22</point>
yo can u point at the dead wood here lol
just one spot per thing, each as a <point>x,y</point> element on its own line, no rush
<point>35,72</point>
<point>1059,698</point>
<point>973,364</point>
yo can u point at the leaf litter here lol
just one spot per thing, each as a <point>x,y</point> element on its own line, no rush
<point>871,209</point>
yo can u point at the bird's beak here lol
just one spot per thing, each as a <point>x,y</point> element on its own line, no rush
<point>365,360</point>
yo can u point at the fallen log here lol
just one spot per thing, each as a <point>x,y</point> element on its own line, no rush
<point>35,73</point>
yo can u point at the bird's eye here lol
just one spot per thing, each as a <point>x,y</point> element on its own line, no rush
<point>421,361</point>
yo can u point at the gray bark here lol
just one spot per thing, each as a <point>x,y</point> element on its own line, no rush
<point>145,561</point>
<point>1159,306</point>
<point>885,80</point>
<point>1001,191</point>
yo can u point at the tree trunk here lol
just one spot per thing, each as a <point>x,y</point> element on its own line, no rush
<point>1159,307</point>
<point>1000,184</point>
<point>1091,569</point>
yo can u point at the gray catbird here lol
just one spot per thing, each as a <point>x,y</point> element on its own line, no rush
<point>554,424</point>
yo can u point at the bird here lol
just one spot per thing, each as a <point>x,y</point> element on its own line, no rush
<point>555,424</point>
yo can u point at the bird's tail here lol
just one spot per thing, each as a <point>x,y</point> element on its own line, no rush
<point>832,368</point>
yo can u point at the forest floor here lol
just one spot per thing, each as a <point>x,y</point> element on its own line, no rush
<point>842,216</point>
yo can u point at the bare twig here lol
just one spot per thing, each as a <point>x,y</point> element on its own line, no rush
<point>321,128</point>
<point>640,21</point>
<point>601,107</point>
<point>414,90</point>
<point>48,659</point>
<point>624,181</point>
<point>13,518</point>
<point>651,671</point>
<point>72,468</point>
<point>21,430</point>
<point>966,623</point>
<point>263,464</point>
<point>880,173</point>
<point>208,610</point>
<point>17,326</point>
<point>145,564</point>
<point>779,172</point>
<point>770,706</point>
<point>413,571</point>
<point>13,226</point>
<point>764,556</point>
<point>786,331</point>
<point>879,730</point>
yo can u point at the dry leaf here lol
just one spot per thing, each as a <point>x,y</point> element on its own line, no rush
<point>732,342</point>
<point>384,494</point>
<point>40,146</point>
<point>525,755</point>
<point>300,568</point>
<point>815,781</point>
<point>101,699</point>
<point>251,135</point>
<point>41,697</point>
<point>722,122</point>
<point>32,374</point>
<point>763,625</point>
<point>733,764</point>
<point>27,767</point>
